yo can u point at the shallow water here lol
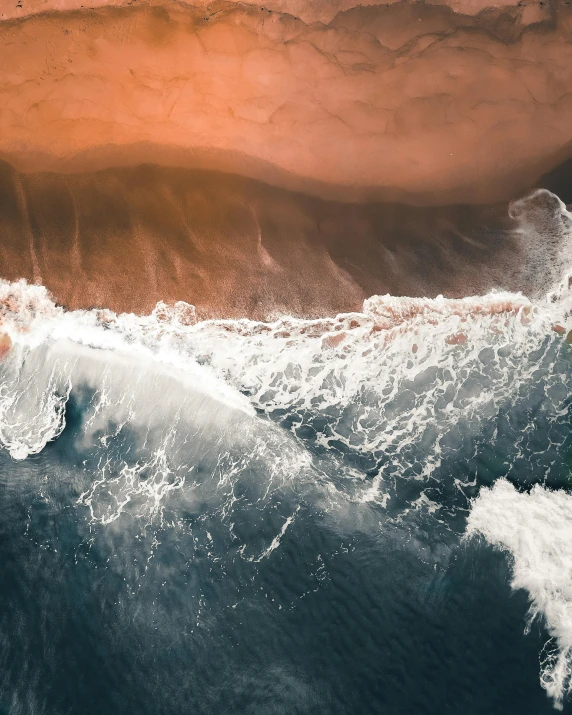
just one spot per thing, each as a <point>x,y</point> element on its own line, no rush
<point>365,513</point>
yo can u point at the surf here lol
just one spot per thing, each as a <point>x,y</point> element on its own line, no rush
<point>394,417</point>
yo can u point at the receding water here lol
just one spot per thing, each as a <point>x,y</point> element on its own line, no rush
<point>368,513</point>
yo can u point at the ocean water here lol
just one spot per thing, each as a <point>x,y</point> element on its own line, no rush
<point>367,513</point>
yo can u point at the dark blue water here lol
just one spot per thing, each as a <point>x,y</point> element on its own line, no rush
<point>186,608</point>
<point>239,518</point>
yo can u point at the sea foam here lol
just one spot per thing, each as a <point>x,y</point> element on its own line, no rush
<point>536,530</point>
<point>364,401</point>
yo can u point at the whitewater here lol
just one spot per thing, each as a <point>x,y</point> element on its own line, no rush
<point>224,463</point>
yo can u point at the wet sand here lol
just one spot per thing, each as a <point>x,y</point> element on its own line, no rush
<point>234,247</point>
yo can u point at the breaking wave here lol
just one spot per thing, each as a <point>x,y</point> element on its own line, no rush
<point>403,411</point>
<point>536,529</point>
